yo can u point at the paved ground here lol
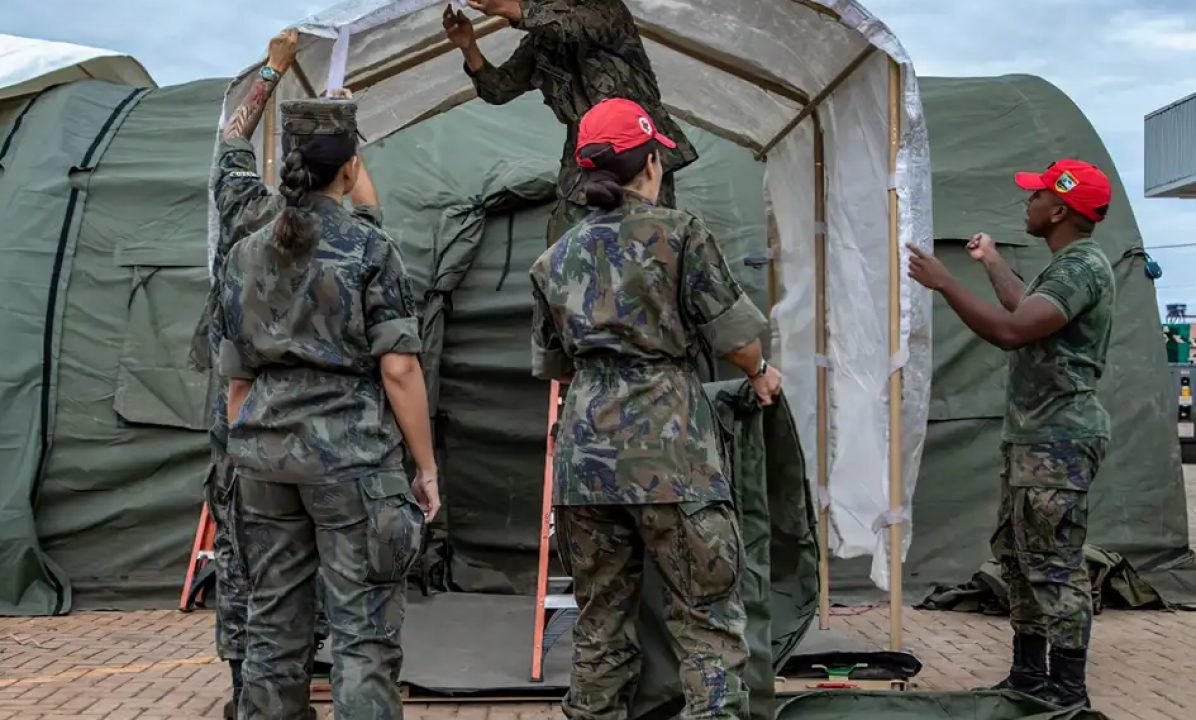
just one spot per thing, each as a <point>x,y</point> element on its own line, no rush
<point>160,665</point>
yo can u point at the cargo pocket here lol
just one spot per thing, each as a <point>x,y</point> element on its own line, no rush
<point>396,526</point>
<point>713,541</point>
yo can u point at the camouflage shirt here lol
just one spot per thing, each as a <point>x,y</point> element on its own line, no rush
<point>578,53</point>
<point>244,205</point>
<point>308,329</point>
<point>1052,382</point>
<point>622,301</point>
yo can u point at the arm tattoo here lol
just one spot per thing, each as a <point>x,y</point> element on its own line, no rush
<point>249,113</point>
<point>1008,285</point>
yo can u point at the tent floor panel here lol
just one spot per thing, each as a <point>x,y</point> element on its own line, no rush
<point>460,645</point>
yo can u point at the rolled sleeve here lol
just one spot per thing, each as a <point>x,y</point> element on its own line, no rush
<point>711,298</point>
<point>391,323</point>
<point>400,335</point>
<point>549,359</point>
<point>737,327</point>
<point>233,364</point>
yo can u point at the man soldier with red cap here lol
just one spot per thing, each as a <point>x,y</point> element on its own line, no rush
<point>622,303</point>
<point>1057,331</point>
<point>576,53</point>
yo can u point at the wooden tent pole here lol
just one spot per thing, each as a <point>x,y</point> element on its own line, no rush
<point>268,141</point>
<point>895,480</point>
<point>821,424</point>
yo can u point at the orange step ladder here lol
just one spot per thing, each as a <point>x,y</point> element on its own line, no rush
<point>556,611</point>
<point>201,570</point>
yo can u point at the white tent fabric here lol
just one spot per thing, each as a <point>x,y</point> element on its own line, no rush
<point>743,70</point>
<point>28,66</point>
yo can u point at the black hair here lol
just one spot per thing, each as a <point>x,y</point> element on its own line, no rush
<point>309,167</point>
<point>612,170</point>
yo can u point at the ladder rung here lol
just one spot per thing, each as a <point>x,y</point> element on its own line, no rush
<point>559,602</point>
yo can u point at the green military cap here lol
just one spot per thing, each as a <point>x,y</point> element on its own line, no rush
<point>319,117</point>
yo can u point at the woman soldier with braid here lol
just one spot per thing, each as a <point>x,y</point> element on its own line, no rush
<point>325,399</point>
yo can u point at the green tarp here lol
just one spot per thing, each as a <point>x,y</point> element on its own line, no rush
<point>118,496</point>
<point>1114,584</point>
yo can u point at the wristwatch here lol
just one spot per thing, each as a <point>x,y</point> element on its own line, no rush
<point>760,370</point>
<point>269,74</point>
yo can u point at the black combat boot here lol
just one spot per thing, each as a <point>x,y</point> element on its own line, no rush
<point>1028,673</point>
<point>1067,688</point>
<point>230,707</point>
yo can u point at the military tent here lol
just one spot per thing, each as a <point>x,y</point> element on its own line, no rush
<point>104,242</point>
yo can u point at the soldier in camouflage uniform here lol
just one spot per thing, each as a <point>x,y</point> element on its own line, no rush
<point>1057,331</point>
<point>622,302</point>
<point>577,53</point>
<point>244,205</point>
<point>326,396</point>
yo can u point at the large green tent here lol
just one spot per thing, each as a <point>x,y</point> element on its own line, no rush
<point>103,197</point>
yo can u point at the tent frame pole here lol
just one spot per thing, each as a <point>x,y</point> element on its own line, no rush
<point>821,425</point>
<point>387,69</point>
<point>268,141</point>
<point>895,373</point>
<point>820,337</point>
<point>818,99</point>
<point>708,56</point>
<point>720,61</point>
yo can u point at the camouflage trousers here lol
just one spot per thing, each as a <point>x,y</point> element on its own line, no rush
<point>362,536</point>
<point>1039,541</point>
<point>232,582</point>
<point>699,552</point>
<point>568,213</point>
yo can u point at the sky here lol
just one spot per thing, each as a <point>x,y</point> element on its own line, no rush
<point>1117,64</point>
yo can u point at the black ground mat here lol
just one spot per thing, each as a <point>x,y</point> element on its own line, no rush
<point>461,644</point>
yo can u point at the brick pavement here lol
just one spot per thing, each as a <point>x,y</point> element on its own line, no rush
<point>160,664</point>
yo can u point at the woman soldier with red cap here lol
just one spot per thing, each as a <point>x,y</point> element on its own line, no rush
<point>623,302</point>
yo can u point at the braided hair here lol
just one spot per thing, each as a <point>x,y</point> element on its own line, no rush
<point>309,167</point>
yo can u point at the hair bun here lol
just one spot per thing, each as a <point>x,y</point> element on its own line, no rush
<point>603,190</point>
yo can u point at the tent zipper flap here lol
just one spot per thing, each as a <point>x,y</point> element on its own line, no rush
<point>50,335</point>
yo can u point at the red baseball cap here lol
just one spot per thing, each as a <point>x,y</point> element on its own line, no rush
<point>1081,185</point>
<point>619,123</point>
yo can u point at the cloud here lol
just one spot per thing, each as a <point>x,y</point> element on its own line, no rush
<point>176,41</point>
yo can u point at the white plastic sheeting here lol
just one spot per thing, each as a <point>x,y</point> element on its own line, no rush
<point>27,66</point>
<point>700,49</point>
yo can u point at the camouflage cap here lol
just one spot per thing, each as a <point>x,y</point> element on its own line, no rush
<point>319,117</point>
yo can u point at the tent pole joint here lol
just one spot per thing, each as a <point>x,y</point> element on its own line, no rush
<point>817,100</point>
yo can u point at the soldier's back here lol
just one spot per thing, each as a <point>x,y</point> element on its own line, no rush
<point>316,411</point>
<point>638,426</point>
